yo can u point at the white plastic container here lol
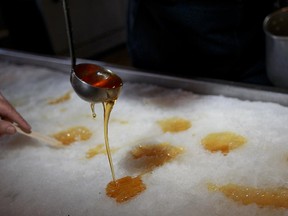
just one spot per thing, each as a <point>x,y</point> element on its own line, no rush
<point>276,29</point>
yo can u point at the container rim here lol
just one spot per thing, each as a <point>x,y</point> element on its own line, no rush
<point>268,19</point>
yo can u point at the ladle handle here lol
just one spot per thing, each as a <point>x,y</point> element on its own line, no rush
<point>69,33</point>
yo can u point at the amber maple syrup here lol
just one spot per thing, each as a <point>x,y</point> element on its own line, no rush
<point>125,188</point>
<point>223,142</point>
<point>92,106</point>
<point>60,99</point>
<point>107,107</point>
<point>73,134</point>
<point>147,157</point>
<point>151,156</point>
<point>92,75</point>
<point>274,197</point>
<point>174,124</point>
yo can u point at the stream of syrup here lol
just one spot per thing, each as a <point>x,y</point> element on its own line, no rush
<point>107,108</point>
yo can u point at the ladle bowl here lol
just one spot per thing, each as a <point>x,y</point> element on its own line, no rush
<point>91,82</point>
<point>94,83</point>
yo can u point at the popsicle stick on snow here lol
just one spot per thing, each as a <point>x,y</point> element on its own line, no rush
<point>43,138</point>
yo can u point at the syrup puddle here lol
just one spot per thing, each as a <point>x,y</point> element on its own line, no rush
<point>263,197</point>
<point>149,157</point>
<point>73,134</point>
<point>223,142</point>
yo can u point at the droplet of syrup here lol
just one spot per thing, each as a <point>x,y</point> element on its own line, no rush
<point>92,106</point>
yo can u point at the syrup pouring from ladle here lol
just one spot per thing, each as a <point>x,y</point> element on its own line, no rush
<point>94,84</point>
<point>91,82</point>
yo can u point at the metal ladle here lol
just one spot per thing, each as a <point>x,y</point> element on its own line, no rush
<point>91,82</point>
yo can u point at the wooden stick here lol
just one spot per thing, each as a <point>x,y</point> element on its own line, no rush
<point>46,139</point>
